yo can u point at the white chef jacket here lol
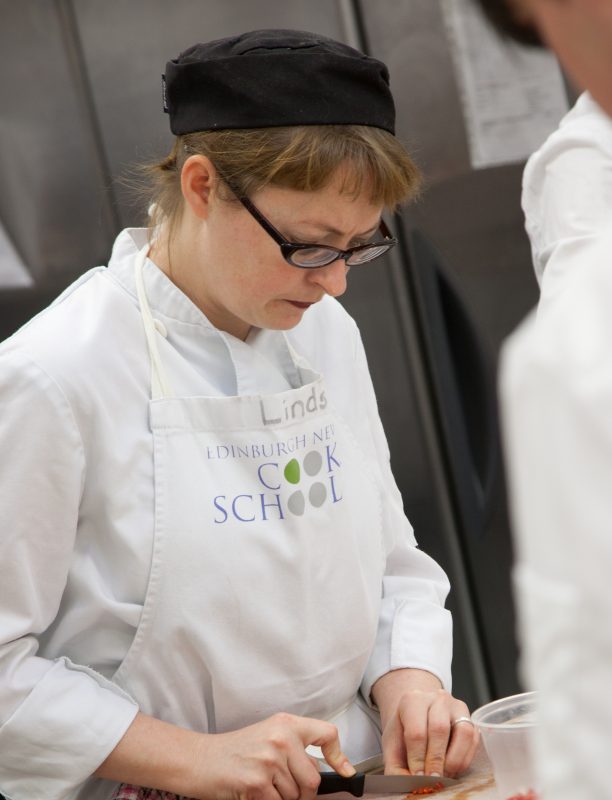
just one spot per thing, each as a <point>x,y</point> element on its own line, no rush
<point>556,393</point>
<point>567,196</point>
<point>77,507</point>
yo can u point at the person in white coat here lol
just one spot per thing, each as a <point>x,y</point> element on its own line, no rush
<point>567,197</point>
<point>205,563</point>
<point>556,396</point>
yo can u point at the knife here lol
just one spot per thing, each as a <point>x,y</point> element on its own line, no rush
<point>361,784</point>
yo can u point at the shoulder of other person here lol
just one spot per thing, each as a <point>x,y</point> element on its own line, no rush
<point>585,125</point>
<point>573,336</point>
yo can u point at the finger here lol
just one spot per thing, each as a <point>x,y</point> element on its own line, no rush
<point>462,748</point>
<point>305,772</point>
<point>315,762</point>
<point>413,717</point>
<point>336,758</point>
<point>395,768</point>
<point>266,790</point>
<point>325,736</point>
<point>394,749</point>
<point>438,734</point>
<point>272,793</point>
<point>285,785</point>
<point>473,750</point>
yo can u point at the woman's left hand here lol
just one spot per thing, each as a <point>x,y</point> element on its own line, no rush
<point>420,734</point>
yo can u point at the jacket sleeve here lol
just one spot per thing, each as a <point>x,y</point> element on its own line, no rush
<point>566,198</point>
<point>415,630</point>
<point>555,391</point>
<point>58,720</point>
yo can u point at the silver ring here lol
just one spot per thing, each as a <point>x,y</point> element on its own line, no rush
<point>462,719</point>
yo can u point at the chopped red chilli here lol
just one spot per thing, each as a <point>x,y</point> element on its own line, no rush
<point>426,789</point>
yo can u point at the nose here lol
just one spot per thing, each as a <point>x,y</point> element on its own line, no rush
<point>331,278</point>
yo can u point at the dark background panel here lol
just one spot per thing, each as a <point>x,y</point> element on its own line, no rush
<point>133,128</point>
<point>474,219</point>
<point>51,193</point>
<point>473,216</point>
<point>409,36</point>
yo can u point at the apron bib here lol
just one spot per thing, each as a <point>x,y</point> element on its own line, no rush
<point>265,582</point>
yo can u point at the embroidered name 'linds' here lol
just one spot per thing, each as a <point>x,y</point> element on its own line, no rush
<point>275,411</point>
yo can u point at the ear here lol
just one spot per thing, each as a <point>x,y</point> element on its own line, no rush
<point>199,179</point>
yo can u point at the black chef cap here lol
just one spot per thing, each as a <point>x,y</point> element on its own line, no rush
<point>268,78</point>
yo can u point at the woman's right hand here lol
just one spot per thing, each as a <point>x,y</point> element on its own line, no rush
<point>267,760</point>
<point>264,761</point>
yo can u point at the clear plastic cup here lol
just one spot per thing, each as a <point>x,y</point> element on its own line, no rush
<point>506,726</point>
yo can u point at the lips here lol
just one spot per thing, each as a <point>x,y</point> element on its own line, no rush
<point>297,304</point>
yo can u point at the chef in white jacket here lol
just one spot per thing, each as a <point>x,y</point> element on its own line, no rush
<point>556,395</point>
<point>205,565</point>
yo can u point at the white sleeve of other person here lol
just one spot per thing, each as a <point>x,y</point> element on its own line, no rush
<point>556,390</point>
<point>567,196</point>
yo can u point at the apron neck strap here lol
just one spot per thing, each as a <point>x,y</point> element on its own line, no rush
<point>159,382</point>
<point>293,363</point>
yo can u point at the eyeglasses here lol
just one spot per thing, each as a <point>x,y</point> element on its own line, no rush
<point>311,256</point>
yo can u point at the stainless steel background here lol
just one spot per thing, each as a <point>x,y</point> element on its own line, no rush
<point>81,102</point>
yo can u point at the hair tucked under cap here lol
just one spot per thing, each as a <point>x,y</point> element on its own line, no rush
<point>272,78</point>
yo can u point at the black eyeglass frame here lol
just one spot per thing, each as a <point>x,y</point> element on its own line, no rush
<point>288,249</point>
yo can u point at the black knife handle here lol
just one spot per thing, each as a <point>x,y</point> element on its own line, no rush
<point>332,782</point>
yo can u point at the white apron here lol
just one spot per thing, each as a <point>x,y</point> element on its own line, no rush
<point>268,559</point>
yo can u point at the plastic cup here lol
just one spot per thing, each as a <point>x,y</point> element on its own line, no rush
<point>506,726</point>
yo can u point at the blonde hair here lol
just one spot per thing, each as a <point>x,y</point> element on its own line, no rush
<point>298,157</point>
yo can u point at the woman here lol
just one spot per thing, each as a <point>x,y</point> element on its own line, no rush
<point>207,547</point>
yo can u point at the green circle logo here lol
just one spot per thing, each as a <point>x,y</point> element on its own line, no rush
<point>317,492</point>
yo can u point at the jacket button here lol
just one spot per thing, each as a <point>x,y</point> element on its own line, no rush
<point>160,328</point>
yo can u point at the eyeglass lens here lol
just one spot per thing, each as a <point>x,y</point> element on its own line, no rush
<point>320,256</point>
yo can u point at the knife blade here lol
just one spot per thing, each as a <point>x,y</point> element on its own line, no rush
<point>360,784</point>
